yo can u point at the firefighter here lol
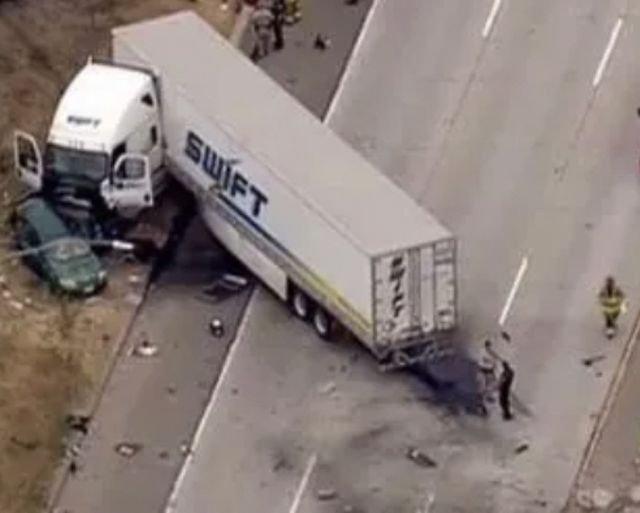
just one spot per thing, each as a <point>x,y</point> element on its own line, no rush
<point>611,300</point>
<point>292,11</point>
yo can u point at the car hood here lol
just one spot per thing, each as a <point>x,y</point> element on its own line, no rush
<point>85,270</point>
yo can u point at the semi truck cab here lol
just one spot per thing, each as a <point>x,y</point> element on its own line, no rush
<point>104,147</point>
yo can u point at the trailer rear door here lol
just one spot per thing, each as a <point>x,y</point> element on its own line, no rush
<point>414,292</point>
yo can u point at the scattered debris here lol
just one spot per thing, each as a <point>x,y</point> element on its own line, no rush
<point>328,388</point>
<point>78,423</point>
<point>420,458</point>
<point>133,299</point>
<point>16,305</point>
<point>226,285</point>
<point>27,445</point>
<point>520,448</point>
<point>184,448</point>
<point>134,279</point>
<point>128,450</point>
<point>588,362</point>
<point>505,336</point>
<point>427,504</point>
<point>145,349</point>
<point>163,455</point>
<point>602,498</point>
<point>540,503</point>
<point>171,390</point>
<point>73,467</point>
<point>216,327</point>
<point>326,494</point>
<point>73,450</point>
<point>634,494</point>
<point>321,42</point>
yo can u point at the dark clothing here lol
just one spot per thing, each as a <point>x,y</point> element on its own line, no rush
<point>504,391</point>
<point>278,10</point>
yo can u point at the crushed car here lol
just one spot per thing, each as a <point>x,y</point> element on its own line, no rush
<point>65,262</point>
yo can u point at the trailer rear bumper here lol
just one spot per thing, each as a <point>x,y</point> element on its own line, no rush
<point>406,355</point>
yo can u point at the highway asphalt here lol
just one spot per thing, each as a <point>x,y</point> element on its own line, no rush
<point>515,124</point>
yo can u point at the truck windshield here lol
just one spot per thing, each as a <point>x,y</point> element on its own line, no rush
<point>91,165</point>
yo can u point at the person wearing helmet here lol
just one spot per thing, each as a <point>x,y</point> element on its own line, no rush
<point>611,300</point>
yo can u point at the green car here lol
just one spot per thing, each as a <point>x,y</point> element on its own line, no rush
<point>65,262</point>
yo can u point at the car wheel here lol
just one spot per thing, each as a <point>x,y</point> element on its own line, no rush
<point>300,304</point>
<point>323,323</point>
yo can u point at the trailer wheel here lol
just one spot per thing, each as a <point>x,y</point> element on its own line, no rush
<point>300,304</point>
<point>323,323</point>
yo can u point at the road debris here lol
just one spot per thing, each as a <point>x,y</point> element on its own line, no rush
<point>321,42</point>
<point>427,504</point>
<point>216,327</point>
<point>127,449</point>
<point>326,494</point>
<point>134,279</point>
<point>133,299</point>
<point>225,285</point>
<point>16,305</point>
<point>73,467</point>
<point>327,388</point>
<point>420,458</point>
<point>79,423</point>
<point>634,494</point>
<point>590,361</point>
<point>27,445</point>
<point>145,349</point>
<point>602,498</point>
<point>520,448</point>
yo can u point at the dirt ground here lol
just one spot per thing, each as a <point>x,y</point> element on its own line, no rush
<point>54,353</point>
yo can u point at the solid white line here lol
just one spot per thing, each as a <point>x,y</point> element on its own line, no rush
<point>491,18</point>
<point>357,47</point>
<point>514,289</point>
<point>303,483</point>
<point>607,52</point>
<point>215,394</point>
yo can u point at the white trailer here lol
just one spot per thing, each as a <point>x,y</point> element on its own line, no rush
<point>314,220</point>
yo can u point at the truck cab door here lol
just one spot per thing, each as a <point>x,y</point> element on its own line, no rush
<point>129,184</point>
<point>27,159</point>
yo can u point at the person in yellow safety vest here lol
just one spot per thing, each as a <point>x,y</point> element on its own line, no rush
<point>292,11</point>
<point>611,300</point>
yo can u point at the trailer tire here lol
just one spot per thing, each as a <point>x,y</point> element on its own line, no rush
<point>323,323</point>
<point>300,304</point>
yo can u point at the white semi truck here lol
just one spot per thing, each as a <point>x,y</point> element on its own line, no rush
<point>316,222</point>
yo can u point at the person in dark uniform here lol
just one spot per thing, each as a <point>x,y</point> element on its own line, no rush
<point>504,390</point>
<point>278,11</point>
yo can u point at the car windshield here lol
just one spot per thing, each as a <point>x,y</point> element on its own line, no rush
<point>68,161</point>
<point>66,249</point>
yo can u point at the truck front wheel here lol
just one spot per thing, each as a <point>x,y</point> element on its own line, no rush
<point>323,323</point>
<point>300,304</point>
